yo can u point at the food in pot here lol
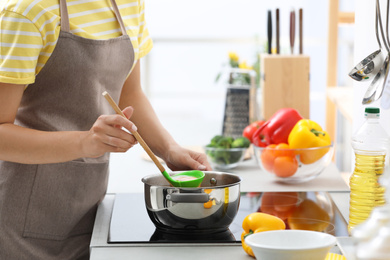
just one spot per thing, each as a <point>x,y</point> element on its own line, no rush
<point>183,178</point>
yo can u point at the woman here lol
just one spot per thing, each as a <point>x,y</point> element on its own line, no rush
<point>56,129</point>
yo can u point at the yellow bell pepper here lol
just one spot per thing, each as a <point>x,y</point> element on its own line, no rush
<point>308,134</point>
<point>258,222</point>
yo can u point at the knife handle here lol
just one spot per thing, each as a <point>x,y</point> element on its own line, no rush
<point>269,32</point>
<point>277,32</point>
<point>300,31</point>
<point>292,30</point>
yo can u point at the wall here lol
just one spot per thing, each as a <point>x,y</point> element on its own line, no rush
<point>192,39</point>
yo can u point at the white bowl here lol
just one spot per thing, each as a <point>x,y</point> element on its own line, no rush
<point>291,244</point>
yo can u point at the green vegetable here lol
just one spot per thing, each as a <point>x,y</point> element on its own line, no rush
<point>225,142</point>
<point>223,154</point>
<point>241,142</point>
<point>215,140</point>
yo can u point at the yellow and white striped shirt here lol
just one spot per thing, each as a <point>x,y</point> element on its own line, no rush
<point>29,31</point>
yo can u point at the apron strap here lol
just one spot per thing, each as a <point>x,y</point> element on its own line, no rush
<point>65,16</point>
<point>118,17</point>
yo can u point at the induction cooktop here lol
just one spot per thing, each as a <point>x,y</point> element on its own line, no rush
<point>131,224</point>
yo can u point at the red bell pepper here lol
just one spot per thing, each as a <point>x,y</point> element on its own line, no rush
<point>277,128</point>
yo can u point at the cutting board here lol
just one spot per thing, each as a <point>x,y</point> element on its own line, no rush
<point>285,82</point>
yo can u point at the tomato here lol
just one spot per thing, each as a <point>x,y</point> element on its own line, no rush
<point>251,129</point>
<point>279,159</point>
<point>285,166</point>
<point>283,149</point>
<point>268,157</point>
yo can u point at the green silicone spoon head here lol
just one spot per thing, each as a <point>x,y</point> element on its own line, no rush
<point>188,179</point>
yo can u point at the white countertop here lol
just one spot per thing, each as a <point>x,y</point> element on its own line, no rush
<point>127,179</point>
<point>101,250</point>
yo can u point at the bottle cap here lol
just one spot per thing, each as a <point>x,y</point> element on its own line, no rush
<point>372,110</point>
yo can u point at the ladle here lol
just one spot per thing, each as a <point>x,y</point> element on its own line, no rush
<point>386,82</point>
<point>173,180</point>
<point>376,87</point>
<point>371,65</point>
<point>385,101</point>
<point>375,90</point>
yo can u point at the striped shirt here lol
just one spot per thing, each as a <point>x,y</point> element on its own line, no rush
<point>29,31</point>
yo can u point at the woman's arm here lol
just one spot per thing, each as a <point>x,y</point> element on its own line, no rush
<point>23,145</point>
<point>153,132</point>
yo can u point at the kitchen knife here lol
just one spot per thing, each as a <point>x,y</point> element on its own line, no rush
<point>269,32</point>
<point>292,30</point>
<point>277,32</point>
<point>300,31</point>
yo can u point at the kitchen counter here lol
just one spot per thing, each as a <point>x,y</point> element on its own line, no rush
<point>101,250</point>
<point>251,182</point>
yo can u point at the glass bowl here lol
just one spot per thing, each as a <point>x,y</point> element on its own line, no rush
<point>224,159</point>
<point>294,165</point>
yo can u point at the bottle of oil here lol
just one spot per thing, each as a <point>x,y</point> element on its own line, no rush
<point>372,237</point>
<point>370,144</point>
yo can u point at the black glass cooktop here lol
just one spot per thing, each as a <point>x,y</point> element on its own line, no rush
<point>130,222</point>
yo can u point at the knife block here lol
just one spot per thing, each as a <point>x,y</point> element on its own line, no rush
<point>284,82</point>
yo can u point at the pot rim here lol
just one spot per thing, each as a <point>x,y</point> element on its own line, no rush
<point>145,179</point>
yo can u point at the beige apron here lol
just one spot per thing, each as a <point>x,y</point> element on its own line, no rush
<point>47,211</point>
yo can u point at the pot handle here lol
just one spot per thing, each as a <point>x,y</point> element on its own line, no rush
<point>188,197</point>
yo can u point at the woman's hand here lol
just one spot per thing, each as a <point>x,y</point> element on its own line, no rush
<point>107,135</point>
<point>179,158</point>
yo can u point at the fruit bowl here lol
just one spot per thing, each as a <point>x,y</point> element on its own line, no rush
<point>224,159</point>
<point>294,165</point>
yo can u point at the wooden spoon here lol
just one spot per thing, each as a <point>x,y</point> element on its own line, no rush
<point>195,177</point>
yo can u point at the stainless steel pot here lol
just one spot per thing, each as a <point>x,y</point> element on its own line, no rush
<point>210,207</point>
